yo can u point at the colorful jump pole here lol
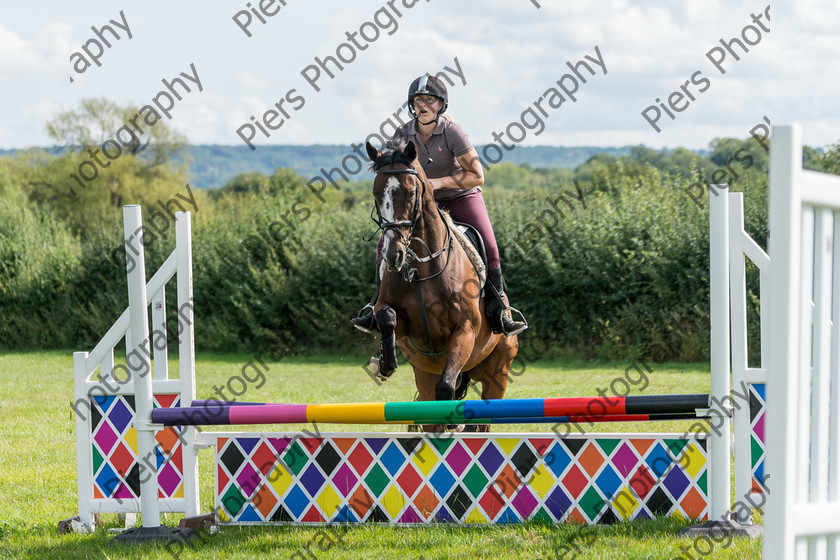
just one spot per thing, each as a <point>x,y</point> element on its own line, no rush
<point>569,409</point>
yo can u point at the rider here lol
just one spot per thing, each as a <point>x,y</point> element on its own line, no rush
<point>455,174</point>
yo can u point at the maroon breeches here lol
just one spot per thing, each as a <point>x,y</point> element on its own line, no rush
<point>471,210</point>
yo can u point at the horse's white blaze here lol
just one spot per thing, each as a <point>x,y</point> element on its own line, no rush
<point>386,210</point>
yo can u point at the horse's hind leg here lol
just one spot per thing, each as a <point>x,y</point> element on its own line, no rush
<point>386,318</point>
<point>493,371</point>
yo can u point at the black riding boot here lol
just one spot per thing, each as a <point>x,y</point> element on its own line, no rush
<point>366,322</point>
<point>494,306</point>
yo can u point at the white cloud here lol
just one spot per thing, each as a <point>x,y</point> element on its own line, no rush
<point>54,44</point>
<point>17,55</point>
<point>510,51</point>
<point>250,81</point>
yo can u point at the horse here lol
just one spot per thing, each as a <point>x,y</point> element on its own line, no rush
<point>425,267</point>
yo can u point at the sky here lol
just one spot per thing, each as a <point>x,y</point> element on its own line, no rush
<point>509,53</point>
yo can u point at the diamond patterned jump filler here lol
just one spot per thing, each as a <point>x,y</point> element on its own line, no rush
<point>758,407</point>
<point>117,469</point>
<point>458,478</point>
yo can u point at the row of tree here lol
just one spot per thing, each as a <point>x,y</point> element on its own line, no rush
<point>624,274</point>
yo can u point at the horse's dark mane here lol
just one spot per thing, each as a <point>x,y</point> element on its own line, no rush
<point>393,155</point>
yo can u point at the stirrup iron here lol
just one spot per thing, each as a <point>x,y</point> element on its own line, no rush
<point>361,315</point>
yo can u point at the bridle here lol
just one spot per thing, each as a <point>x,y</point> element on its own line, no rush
<point>409,275</point>
<point>384,224</point>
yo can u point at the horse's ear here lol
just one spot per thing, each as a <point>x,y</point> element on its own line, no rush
<point>372,152</point>
<point>410,151</point>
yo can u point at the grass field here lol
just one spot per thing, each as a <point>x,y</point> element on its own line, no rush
<point>38,472</point>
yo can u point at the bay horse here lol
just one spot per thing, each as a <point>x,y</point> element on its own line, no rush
<point>429,299</point>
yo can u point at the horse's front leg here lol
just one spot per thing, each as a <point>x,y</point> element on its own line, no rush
<point>460,347</point>
<point>386,319</point>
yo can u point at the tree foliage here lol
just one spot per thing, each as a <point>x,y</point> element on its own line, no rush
<point>830,160</point>
<point>622,275</point>
<point>98,119</point>
<point>143,173</point>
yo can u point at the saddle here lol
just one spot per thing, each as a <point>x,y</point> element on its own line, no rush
<point>473,245</point>
<point>475,238</point>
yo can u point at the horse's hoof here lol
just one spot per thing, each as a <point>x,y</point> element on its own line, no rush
<point>444,393</point>
<point>377,371</point>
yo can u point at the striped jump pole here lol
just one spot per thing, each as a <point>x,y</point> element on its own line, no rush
<point>197,403</point>
<point>567,409</point>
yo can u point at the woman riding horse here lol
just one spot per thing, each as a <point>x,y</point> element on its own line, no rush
<point>455,175</point>
<point>428,304</point>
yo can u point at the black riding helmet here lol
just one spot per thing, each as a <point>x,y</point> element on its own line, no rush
<point>427,85</point>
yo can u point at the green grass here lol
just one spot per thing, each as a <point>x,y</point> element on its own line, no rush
<point>38,472</point>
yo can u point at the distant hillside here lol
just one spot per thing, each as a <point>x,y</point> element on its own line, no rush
<point>213,166</point>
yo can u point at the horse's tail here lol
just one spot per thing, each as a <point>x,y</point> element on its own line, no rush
<point>461,391</point>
